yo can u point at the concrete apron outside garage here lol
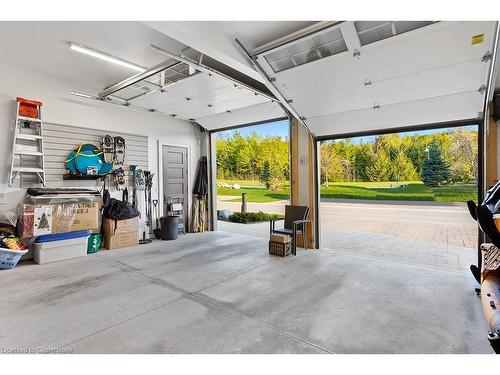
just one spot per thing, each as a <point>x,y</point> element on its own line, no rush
<point>220,292</point>
<point>429,233</point>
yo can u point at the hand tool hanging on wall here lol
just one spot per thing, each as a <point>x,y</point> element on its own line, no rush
<point>148,177</point>
<point>157,230</point>
<point>125,195</point>
<point>134,190</point>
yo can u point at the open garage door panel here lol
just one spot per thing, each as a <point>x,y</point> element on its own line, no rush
<point>433,73</point>
<point>184,89</point>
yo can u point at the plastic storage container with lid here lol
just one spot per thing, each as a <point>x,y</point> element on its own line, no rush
<point>61,246</point>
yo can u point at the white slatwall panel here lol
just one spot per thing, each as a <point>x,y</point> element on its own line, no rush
<point>59,140</point>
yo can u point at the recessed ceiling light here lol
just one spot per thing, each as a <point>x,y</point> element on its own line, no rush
<point>105,57</point>
<point>368,83</point>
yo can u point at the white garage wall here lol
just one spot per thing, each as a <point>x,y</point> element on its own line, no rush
<point>62,108</point>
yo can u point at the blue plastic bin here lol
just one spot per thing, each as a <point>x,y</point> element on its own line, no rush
<point>62,236</point>
<point>9,258</point>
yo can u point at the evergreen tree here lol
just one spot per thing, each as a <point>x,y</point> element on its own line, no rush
<point>435,170</point>
<point>265,175</point>
<point>380,169</point>
<point>402,168</point>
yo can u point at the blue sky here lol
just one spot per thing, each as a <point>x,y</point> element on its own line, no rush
<point>280,128</point>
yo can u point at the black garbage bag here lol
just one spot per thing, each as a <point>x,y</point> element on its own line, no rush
<point>119,210</point>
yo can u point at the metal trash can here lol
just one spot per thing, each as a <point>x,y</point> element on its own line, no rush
<point>169,227</point>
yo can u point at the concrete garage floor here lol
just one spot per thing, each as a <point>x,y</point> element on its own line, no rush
<point>221,292</point>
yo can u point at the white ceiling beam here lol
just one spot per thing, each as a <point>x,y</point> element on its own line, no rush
<point>208,40</point>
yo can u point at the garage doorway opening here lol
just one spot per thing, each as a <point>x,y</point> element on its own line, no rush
<point>253,175</point>
<point>402,196</point>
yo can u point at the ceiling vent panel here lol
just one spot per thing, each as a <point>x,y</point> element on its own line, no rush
<point>374,31</point>
<point>305,50</point>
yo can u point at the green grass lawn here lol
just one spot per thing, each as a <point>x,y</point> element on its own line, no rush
<point>255,193</point>
<point>414,191</point>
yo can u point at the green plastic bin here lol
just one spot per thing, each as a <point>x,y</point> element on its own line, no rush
<point>94,243</point>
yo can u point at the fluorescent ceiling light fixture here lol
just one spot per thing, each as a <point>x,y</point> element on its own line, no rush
<point>105,57</point>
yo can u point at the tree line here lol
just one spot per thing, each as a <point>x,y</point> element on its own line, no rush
<point>451,155</point>
<point>249,157</point>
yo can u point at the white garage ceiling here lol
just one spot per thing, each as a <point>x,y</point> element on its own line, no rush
<point>49,52</point>
<point>428,75</point>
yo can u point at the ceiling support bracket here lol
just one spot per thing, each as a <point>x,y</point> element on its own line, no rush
<point>203,68</point>
<point>137,78</point>
<point>272,87</point>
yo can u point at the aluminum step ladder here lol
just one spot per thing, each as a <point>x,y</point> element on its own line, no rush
<point>28,144</point>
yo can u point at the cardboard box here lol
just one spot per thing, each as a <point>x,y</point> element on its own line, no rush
<point>76,216</point>
<point>281,238</point>
<point>38,219</point>
<point>121,233</point>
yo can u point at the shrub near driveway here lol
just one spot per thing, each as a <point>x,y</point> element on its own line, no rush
<point>252,217</point>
